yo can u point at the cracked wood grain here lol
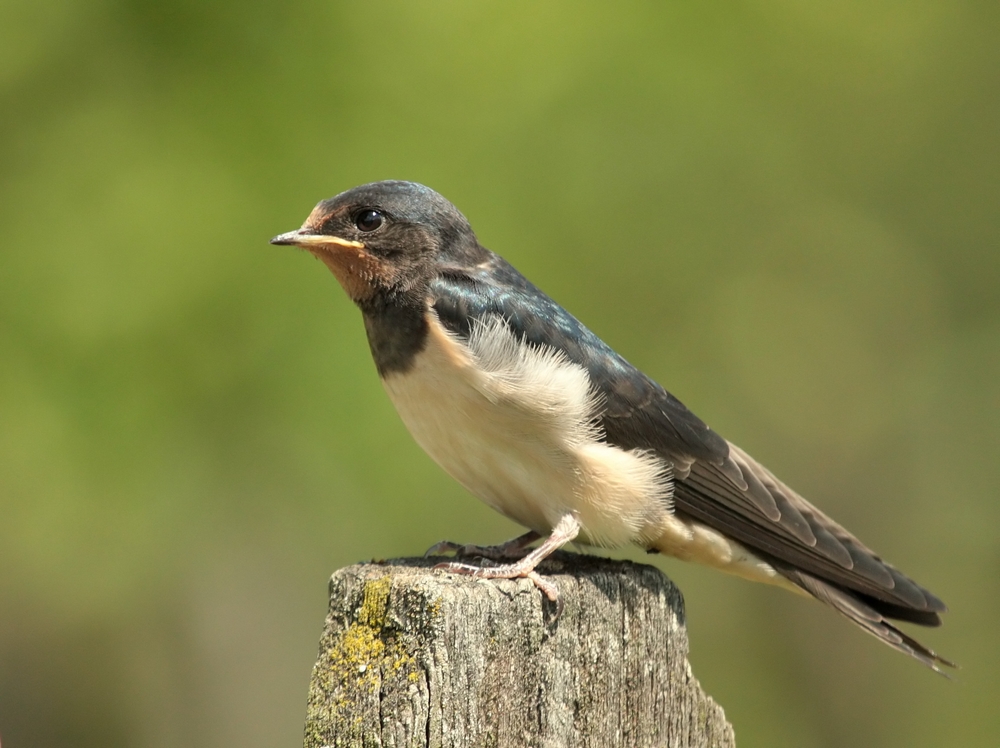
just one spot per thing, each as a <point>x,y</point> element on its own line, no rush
<point>415,657</point>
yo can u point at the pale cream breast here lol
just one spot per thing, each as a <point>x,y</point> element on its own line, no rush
<point>515,424</point>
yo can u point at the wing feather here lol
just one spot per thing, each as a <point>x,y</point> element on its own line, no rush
<point>716,483</point>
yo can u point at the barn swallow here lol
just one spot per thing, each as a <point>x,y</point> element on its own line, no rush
<point>544,422</point>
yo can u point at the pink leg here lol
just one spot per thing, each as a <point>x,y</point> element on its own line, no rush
<point>515,548</point>
<point>567,528</point>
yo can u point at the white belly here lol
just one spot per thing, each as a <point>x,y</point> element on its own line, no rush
<point>515,425</point>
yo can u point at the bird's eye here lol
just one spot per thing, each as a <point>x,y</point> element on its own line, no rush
<point>368,220</point>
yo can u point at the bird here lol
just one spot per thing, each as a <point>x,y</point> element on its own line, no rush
<point>544,422</point>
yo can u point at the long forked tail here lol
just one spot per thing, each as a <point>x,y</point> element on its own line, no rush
<point>858,610</point>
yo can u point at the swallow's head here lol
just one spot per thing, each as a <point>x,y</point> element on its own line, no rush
<point>384,239</point>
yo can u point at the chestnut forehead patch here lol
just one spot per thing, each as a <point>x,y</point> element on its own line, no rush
<point>321,214</point>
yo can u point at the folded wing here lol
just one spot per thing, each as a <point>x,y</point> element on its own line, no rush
<point>715,482</point>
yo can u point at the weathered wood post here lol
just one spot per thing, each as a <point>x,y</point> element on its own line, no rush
<point>414,657</point>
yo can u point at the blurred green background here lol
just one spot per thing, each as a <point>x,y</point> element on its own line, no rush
<point>787,212</point>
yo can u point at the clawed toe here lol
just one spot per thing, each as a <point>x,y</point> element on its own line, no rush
<point>456,568</point>
<point>512,549</point>
<point>445,546</point>
<point>546,587</point>
<point>564,531</point>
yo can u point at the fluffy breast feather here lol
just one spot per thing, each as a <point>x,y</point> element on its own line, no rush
<point>516,424</point>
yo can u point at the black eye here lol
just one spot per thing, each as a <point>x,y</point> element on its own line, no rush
<point>368,220</point>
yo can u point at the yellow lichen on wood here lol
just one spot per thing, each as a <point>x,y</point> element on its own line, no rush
<point>358,659</point>
<point>375,602</point>
<point>363,653</point>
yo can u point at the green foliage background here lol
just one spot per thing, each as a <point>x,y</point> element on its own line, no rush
<point>787,212</point>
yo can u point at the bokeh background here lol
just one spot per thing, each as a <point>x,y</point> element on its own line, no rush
<point>787,212</point>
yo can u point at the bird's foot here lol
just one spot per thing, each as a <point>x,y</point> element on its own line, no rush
<point>565,530</point>
<point>512,549</point>
<point>506,571</point>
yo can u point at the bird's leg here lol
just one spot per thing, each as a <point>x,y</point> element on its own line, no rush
<point>565,530</point>
<point>515,548</point>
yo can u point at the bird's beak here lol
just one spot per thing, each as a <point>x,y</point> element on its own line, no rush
<point>348,260</point>
<point>307,240</point>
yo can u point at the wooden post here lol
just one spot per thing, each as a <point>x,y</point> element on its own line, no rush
<point>415,657</point>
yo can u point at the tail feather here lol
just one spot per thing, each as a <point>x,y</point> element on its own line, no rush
<point>871,620</point>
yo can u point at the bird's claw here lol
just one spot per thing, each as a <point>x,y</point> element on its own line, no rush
<point>445,546</point>
<point>546,587</point>
<point>512,549</point>
<point>524,568</point>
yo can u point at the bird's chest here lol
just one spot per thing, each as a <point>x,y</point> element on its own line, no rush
<point>515,425</point>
